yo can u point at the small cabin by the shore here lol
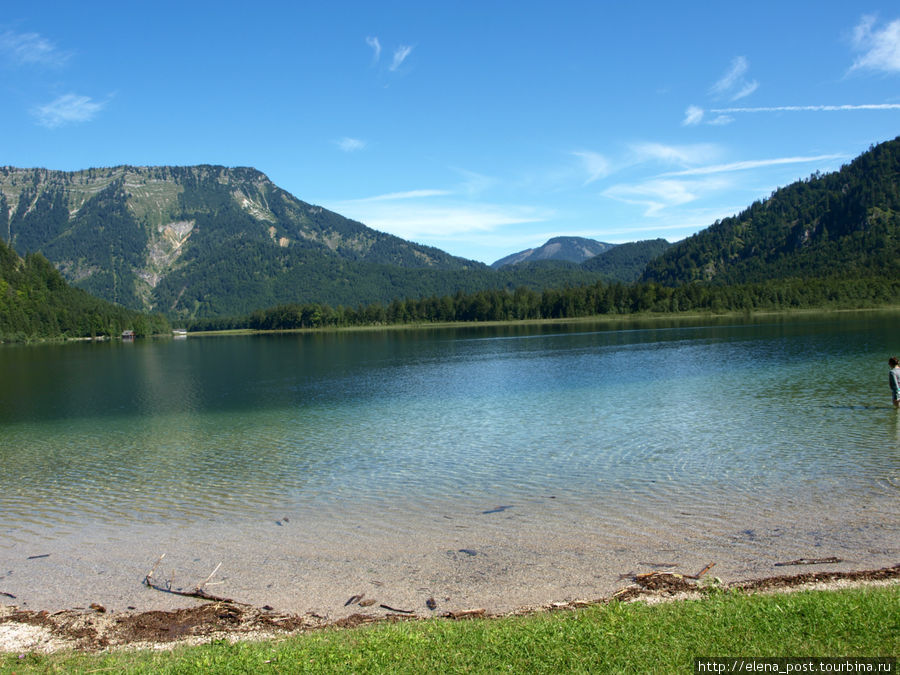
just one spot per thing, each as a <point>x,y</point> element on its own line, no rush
<point>128,334</point>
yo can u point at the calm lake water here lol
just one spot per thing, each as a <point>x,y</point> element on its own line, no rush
<point>621,421</point>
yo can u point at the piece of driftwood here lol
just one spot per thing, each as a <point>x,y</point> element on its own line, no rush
<point>196,592</point>
<point>8,595</point>
<point>193,593</point>
<point>35,557</point>
<point>647,575</point>
<point>394,609</point>
<point>354,599</point>
<point>465,614</point>
<point>809,561</point>
<point>701,572</point>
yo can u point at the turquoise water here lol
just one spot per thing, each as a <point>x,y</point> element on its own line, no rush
<point>614,419</point>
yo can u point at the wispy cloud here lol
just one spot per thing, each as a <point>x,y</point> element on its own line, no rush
<point>67,109</point>
<point>434,214</point>
<point>747,89</point>
<point>692,116</point>
<point>739,66</point>
<point>474,183</point>
<point>665,193</point>
<point>409,194</point>
<point>595,165</point>
<point>675,154</point>
<point>400,55</point>
<point>733,85</point>
<point>751,164</point>
<point>418,222</point>
<point>451,220</point>
<point>348,144</point>
<point>30,49</point>
<point>880,48</point>
<point>375,44</point>
<point>721,120</point>
<point>682,224</point>
<point>661,193</point>
<point>695,115</point>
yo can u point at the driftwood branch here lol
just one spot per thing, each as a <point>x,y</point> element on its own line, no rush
<point>465,614</point>
<point>394,609</point>
<point>648,575</point>
<point>701,572</point>
<point>196,592</point>
<point>809,561</point>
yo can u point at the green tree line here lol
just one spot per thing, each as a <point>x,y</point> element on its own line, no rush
<point>597,299</point>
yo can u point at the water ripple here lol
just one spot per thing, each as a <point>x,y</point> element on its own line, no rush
<point>625,425</point>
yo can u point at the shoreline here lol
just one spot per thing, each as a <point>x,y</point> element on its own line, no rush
<point>95,629</point>
<point>437,563</point>
<point>597,318</point>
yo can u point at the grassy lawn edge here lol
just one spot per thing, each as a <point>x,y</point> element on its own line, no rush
<point>616,637</point>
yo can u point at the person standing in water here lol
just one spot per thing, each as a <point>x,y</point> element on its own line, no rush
<point>894,380</point>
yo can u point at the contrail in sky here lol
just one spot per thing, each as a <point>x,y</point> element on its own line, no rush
<point>808,108</point>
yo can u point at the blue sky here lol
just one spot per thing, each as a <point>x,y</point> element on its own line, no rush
<point>482,128</point>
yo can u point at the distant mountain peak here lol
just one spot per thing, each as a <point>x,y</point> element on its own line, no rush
<point>570,249</point>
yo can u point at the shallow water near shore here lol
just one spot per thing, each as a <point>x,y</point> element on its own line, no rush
<point>509,465</point>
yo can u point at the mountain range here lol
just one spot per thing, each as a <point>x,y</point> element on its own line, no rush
<point>208,241</point>
<point>205,241</point>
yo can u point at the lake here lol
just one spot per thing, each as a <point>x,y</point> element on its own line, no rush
<point>527,450</point>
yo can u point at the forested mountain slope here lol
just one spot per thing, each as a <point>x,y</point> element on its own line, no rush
<point>204,240</point>
<point>845,223</point>
<point>36,302</point>
<point>626,262</point>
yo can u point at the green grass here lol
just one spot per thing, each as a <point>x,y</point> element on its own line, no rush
<point>663,638</point>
